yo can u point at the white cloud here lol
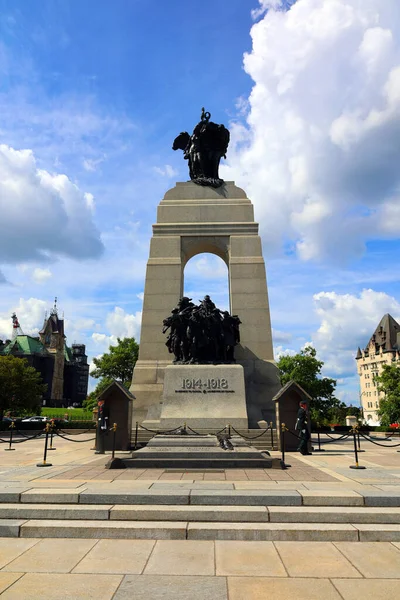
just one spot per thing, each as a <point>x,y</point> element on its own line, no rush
<point>122,324</point>
<point>348,321</point>
<point>140,295</point>
<point>280,337</point>
<point>49,213</point>
<point>41,275</point>
<point>320,151</point>
<point>91,164</point>
<point>30,314</point>
<point>166,171</point>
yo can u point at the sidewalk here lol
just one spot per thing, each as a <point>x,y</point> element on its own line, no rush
<point>118,569</point>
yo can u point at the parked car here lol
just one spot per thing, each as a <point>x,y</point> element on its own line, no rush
<point>36,419</point>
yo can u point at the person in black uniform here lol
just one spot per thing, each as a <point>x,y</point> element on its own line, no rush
<point>302,429</point>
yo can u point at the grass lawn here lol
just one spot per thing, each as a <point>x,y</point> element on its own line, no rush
<point>74,414</point>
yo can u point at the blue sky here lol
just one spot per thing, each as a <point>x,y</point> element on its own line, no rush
<point>92,93</point>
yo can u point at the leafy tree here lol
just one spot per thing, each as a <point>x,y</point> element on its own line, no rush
<point>21,386</point>
<point>305,369</point>
<point>91,400</point>
<point>119,362</point>
<point>389,383</point>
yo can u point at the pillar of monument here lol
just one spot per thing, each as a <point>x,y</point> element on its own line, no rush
<point>193,219</point>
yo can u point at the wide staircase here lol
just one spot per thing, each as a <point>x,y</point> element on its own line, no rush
<point>200,511</point>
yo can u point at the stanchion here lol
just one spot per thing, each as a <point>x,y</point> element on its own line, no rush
<point>114,430</point>
<point>356,466</point>
<point>136,435</point>
<point>283,429</point>
<point>46,441</point>
<point>359,442</point>
<point>184,427</point>
<point>229,429</point>
<point>12,427</point>
<point>52,425</point>
<point>319,449</point>
<point>272,434</point>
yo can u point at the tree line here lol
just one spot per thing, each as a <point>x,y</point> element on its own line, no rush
<point>21,386</point>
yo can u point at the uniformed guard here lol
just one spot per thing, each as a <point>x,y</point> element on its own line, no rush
<point>302,428</point>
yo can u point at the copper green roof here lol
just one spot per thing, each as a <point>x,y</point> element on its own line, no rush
<point>24,344</point>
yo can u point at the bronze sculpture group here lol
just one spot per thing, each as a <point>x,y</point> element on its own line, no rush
<point>204,150</point>
<point>201,334</point>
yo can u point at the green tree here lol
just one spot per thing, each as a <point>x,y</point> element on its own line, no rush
<point>118,362</point>
<point>21,386</point>
<point>388,382</point>
<point>305,369</point>
<point>91,401</point>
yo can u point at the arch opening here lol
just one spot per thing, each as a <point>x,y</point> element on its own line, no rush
<point>206,273</point>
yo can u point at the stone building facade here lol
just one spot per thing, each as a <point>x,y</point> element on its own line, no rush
<point>382,349</point>
<point>65,370</point>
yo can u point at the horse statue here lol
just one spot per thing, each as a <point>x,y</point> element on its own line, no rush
<point>204,150</point>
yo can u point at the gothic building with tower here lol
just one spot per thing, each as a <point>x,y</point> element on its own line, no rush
<point>382,349</point>
<point>65,370</point>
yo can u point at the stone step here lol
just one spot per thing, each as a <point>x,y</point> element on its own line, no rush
<point>198,494</point>
<point>159,530</point>
<point>203,513</point>
<point>201,463</point>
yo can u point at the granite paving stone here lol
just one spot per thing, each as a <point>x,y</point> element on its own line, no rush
<point>190,513</point>
<point>7,579</point>
<point>378,533</point>
<point>379,498</point>
<point>105,529</point>
<point>185,557</point>
<point>262,588</point>
<point>57,586</point>
<point>172,587</point>
<point>51,556</point>
<point>331,498</point>
<point>116,556</point>
<point>333,514</point>
<point>378,589</point>
<point>248,558</point>
<point>272,531</point>
<point>246,497</point>
<point>10,527</point>
<point>56,496</point>
<point>373,559</point>
<point>10,548</point>
<point>322,560</point>
<point>50,511</point>
<point>164,496</point>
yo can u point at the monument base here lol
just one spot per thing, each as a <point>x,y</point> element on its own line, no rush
<point>204,397</point>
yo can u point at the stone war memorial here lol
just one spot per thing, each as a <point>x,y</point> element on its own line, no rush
<point>197,364</point>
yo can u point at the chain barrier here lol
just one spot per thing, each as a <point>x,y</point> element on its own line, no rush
<point>33,437</point>
<point>160,432</point>
<point>376,443</point>
<point>80,433</point>
<point>344,436</point>
<point>195,432</point>
<point>76,441</point>
<point>246,437</point>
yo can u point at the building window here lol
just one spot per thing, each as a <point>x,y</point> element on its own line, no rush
<point>369,417</point>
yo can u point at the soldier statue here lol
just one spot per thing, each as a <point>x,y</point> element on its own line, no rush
<point>203,150</point>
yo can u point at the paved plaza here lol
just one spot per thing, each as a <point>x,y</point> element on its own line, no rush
<point>78,567</point>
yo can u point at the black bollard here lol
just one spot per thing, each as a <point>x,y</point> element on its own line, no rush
<point>136,435</point>
<point>356,466</point>
<point>46,441</point>
<point>229,429</point>
<point>12,426</point>
<point>272,434</point>
<point>283,429</point>
<point>359,442</point>
<point>114,429</point>
<point>319,449</point>
<point>51,435</point>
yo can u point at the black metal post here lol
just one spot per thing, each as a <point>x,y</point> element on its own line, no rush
<point>51,435</point>
<point>114,428</point>
<point>359,442</point>
<point>356,466</point>
<point>283,429</point>
<point>272,434</point>
<point>46,441</point>
<point>319,449</point>
<point>229,429</point>
<point>12,426</point>
<point>136,435</point>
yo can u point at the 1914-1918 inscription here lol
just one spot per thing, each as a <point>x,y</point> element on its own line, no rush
<point>218,385</point>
